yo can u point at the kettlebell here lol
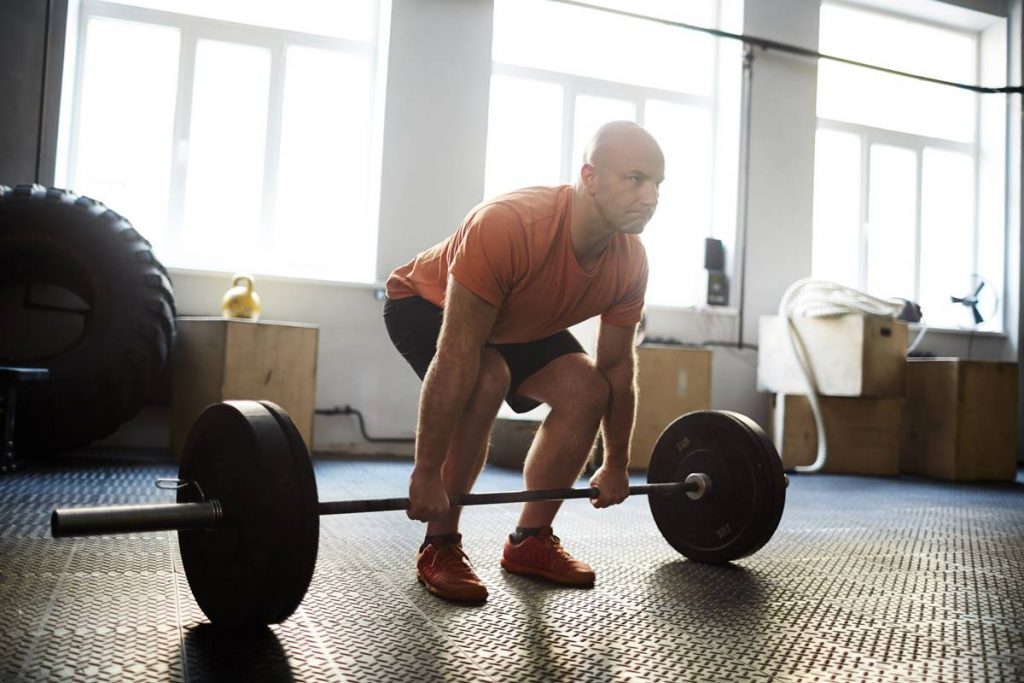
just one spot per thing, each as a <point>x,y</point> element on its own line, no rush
<point>241,301</point>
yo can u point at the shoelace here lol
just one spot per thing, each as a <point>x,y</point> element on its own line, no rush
<point>556,545</point>
<point>451,556</point>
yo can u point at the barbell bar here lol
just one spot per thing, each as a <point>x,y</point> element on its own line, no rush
<point>247,511</point>
<point>127,519</point>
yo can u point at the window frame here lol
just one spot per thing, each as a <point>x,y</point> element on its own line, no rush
<point>193,29</point>
<point>573,86</point>
<point>916,143</point>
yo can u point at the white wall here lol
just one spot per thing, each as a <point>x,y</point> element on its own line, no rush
<point>435,129</point>
<point>432,174</point>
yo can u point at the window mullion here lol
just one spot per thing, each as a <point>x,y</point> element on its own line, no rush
<point>272,154</point>
<point>568,129</point>
<point>918,222</point>
<point>865,211</point>
<point>599,87</point>
<point>180,142</point>
<point>716,95</point>
<point>76,106</point>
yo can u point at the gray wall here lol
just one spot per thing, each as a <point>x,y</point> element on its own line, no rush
<point>1015,200</point>
<point>31,50</point>
<point>434,141</point>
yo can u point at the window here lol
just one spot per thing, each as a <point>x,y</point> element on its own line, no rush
<point>898,166</point>
<point>234,135</point>
<point>551,89</point>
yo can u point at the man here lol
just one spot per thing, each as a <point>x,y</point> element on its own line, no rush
<point>482,317</point>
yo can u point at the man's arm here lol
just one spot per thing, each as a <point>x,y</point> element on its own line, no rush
<point>468,321</point>
<point>616,358</point>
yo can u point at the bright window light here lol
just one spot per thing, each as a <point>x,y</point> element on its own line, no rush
<point>892,221</point>
<point>879,100</point>
<point>352,19</point>
<point>837,180</point>
<point>237,137</point>
<point>873,98</point>
<point>224,190</point>
<point>897,43</point>
<point>524,135</point>
<point>896,164</point>
<point>584,42</point>
<point>125,161</point>
<point>324,144</point>
<point>674,238</point>
<point>947,234</point>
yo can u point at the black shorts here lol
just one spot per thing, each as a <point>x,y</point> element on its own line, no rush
<point>414,325</point>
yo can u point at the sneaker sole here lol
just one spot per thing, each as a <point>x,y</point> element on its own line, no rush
<point>554,578</point>
<point>434,590</point>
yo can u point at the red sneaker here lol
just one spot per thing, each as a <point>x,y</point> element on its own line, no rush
<point>445,570</point>
<point>543,555</point>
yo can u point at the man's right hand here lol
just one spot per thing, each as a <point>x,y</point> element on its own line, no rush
<point>427,497</point>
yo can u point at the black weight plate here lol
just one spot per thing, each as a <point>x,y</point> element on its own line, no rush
<point>255,567</point>
<point>775,484</point>
<point>743,508</point>
<point>309,499</point>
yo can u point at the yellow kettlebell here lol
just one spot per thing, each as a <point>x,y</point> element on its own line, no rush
<point>241,301</point>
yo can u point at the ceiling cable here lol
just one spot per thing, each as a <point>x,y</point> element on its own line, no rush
<point>766,44</point>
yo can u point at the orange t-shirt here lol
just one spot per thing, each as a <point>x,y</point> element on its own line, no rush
<point>515,252</point>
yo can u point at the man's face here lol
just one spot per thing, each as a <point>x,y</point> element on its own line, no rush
<point>625,184</point>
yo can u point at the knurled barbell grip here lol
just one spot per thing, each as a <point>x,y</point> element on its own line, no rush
<point>123,519</point>
<point>344,507</point>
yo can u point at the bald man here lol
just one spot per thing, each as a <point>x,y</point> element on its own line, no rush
<point>483,317</point>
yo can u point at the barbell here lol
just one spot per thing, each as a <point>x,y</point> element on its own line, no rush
<point>248,514</point>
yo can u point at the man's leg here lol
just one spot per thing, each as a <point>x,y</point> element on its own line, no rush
<point>468,450</point>
<point>441,563</point>
<point>578,394</point>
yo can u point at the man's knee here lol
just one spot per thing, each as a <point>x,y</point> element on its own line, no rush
<point>587,392</point>
<point>493,379</point>
<point>597,391</point>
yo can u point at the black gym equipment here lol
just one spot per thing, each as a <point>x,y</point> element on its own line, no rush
<point>83,297</point>
<point>247,514</point>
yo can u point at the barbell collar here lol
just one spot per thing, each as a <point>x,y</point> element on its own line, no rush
<point>702,482</point>
<point>126,519</point>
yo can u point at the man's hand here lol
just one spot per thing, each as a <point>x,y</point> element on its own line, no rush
<point>427,497</point>
<point>613,484</point>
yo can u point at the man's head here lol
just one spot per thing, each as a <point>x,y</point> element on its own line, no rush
<point>622,169</point>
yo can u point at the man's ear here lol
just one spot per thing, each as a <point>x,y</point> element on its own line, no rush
<point>588,174</point>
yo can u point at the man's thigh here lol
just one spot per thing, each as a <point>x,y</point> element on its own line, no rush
<point>527,360</point>
<point>414,325</point>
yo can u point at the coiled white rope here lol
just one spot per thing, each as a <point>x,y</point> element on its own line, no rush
<point>810,298</point>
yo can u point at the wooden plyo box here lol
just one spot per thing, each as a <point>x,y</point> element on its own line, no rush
<point>862,434</point>
<point>221,359</point>
<point>851,355</point>
<point>672,380</point>
<point>961,419</point>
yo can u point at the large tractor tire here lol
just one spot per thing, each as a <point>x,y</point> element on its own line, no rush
<point>82,295</point>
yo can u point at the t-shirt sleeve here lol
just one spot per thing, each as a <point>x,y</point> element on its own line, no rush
<point>489,253</point>
<point>627,311</point>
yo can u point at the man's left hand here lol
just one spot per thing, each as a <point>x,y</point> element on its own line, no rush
<point>613,485</point>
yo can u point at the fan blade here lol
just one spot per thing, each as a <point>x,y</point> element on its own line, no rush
<point>977,316</point>
<point>981,285</point>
